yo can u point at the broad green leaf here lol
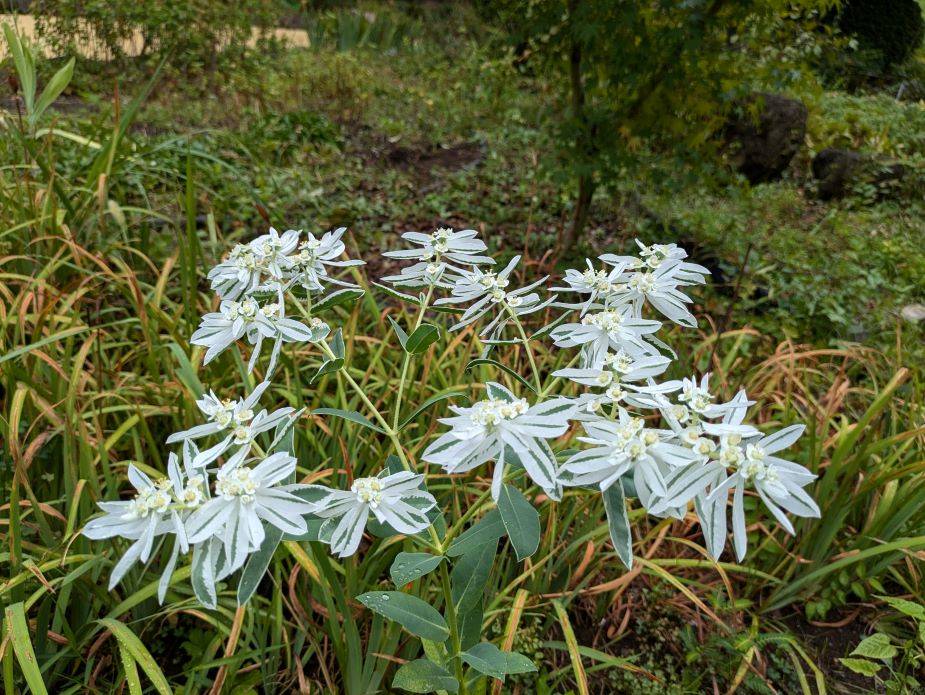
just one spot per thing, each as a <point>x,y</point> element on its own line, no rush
<point>486,658</point>
<point>328,367</point>
<point>488,528</point>
<point>338,298</point>
<point>18,629</point>
<point>398,295</point>
<point>257,563</point>
<point>400,332</point>
<point>521,521</point>
<point>406,567</point>
<point>423,676</point>
<point>429,402</point>
<point>130,642</point>
<point>350,415</point>
<point>53,90</point>
<point>337,344</point>
<point>417,617</point>
<point>504,368</point>
<point>470,575</point>
<point>861,666</point>
<point>617,519</point>
<point>910,608</point>
<point>423,337</point>
<point>877,646</point>
<point>470,625</point>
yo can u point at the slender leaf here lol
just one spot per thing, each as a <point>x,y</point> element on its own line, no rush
<point>130,642</point>
<point>620,533</point>
<point>18,629</point>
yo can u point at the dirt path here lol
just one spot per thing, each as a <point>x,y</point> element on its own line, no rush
<point>25,23</point>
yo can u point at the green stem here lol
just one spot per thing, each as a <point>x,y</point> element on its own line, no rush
<point>526,341</point>
<point>388,430</point>
<point>452,623</point>
<point>406,362</point>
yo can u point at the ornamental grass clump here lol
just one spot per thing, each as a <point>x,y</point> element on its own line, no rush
<point>232,494</point>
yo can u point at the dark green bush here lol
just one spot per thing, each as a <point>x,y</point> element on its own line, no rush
<point>893,28</point>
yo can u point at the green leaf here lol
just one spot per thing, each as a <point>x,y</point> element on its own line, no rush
<point>18,629</point>
<point>423,337</point>
<point>507,370</point>
<point>488,528</point>
<point>410,612</point>
<point>488,659</point>
<point>617,519</point>
<point>257,563</point>
<point>429,402</point>
<point>861,666</point>
<point>470,625</point>
<point>521,521</point>
<point>470,575</point>
<point>337,344</point>
<point>423,676</point>
<point>24,63</point>
<point>877,646</point>
<point>910,608</point>
<point>338,298</point>
<point>406,567</point>
<point>400,332</point>
<point>350,415</point>
<point>202,576</point>
<point>398,295</point>
<point>328,367</point>
<point>129,642</point>
<point>53,90</point>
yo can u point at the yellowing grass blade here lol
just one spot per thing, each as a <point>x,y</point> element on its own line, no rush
<point>18,631</point>
<point>581,679</point>
<point>135,651</point>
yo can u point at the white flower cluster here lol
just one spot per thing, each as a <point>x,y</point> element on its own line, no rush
<point>252,284</point>
<point>223,500</point>
<point>699,454</point>
<point>668,444</point>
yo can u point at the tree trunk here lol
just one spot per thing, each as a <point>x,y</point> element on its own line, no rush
<point>584,144</point>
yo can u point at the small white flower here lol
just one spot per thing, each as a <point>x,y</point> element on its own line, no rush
<point>655,278</point>
<point>237,420</point>
<point>241,273</point>
<point>248,319</point>
<point>625,446</point>
<point>505,429</point>
<point>486,292</point>
<point>778,482</point>
<point>442,256</point>
<point>273,251</point>
<point>246,498</point>
<point>159,507</point>
<point>396,500</point>
<point>609,329</point>
<point>599,285</point>
<point>314,256</point>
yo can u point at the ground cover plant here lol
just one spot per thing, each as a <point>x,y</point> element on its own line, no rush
<point>120,215</point>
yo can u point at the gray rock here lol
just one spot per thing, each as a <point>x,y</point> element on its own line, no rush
<point>837,169</point>
<point>761,149</point>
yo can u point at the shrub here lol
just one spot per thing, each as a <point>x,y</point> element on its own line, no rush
<point>893,28</point>
<point>194,32</point>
